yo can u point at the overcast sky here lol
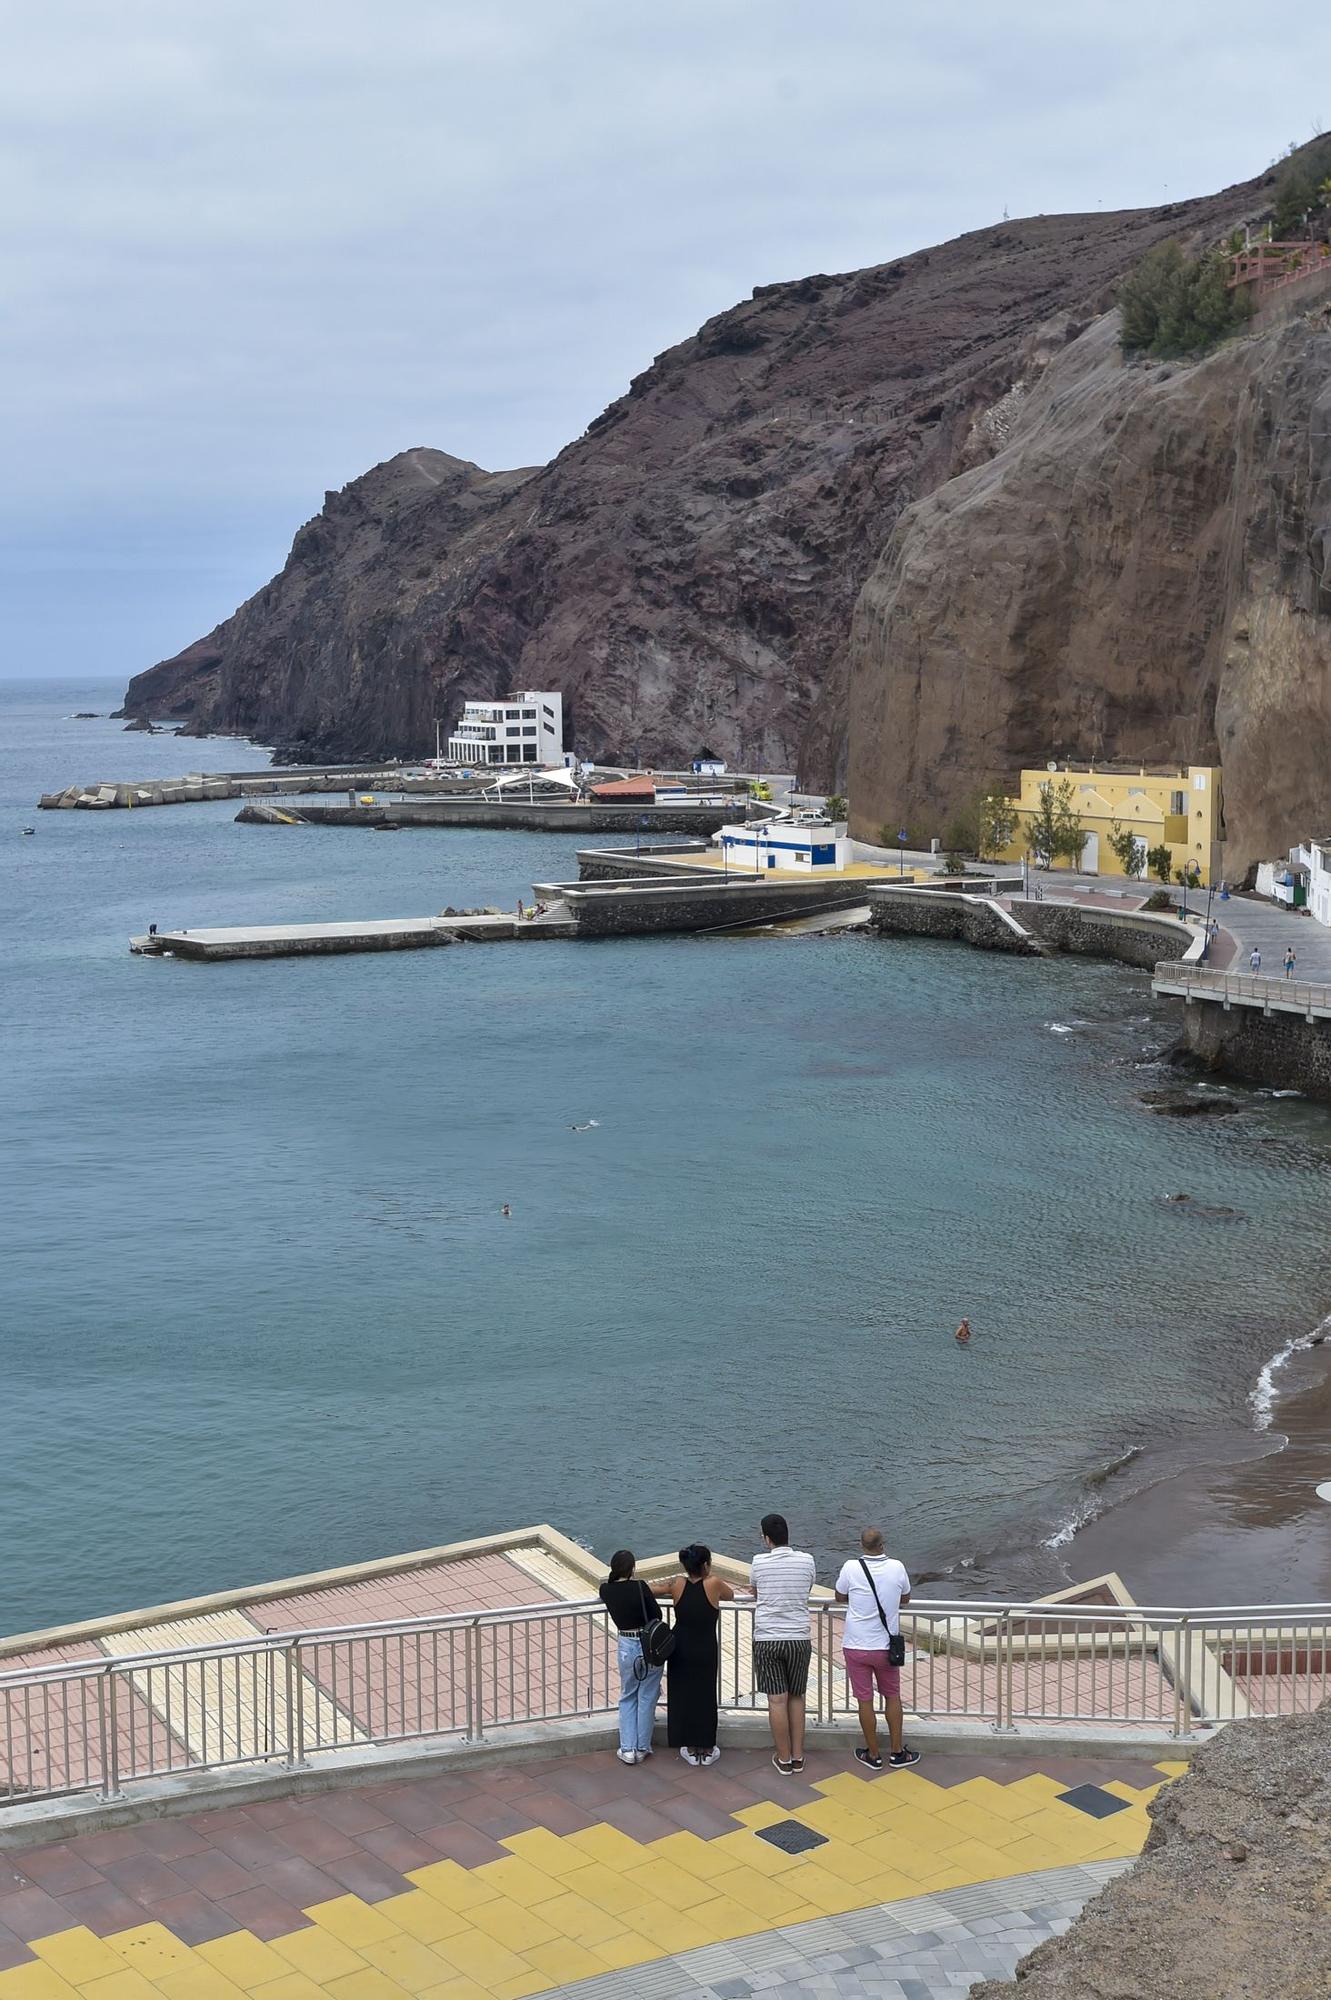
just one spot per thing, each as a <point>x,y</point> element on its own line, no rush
<point>250,247</point>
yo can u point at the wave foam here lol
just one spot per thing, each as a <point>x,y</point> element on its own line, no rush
<point>1262,1400</point>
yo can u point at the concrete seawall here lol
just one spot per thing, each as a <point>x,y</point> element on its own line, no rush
<point>525,817</point>
<point>945,913</point>
<point>1131,936</point>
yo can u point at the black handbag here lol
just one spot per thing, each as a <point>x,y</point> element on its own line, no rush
<point>896,1641</point>
<point>657,1638</point>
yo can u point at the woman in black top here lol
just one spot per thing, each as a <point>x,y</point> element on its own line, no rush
<point>632,1605</point>
<point>691,1687</point>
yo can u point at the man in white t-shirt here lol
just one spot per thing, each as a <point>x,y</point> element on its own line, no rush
<point>781,1579</point>
<point>873,1587</point>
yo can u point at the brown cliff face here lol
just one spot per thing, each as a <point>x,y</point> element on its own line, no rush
<point>686,572</point>
<point>1143,571</point>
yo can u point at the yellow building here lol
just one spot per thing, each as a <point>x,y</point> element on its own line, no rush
<point>1180,808</point>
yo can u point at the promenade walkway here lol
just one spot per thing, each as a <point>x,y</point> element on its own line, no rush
<point>575,1875</point>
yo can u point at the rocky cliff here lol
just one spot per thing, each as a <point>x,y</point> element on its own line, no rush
<point>1140,570</point>
<point>1231,1899</point>
<point>686,572</point>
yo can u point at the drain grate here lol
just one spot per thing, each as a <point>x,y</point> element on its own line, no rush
<point>791,1837</point>
<point>1093,1799</point>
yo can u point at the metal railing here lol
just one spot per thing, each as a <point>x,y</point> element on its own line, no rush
<point>95,1726</point>
<point>1248,988</point>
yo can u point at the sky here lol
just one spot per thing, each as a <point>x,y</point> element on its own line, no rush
<point>249,248</point>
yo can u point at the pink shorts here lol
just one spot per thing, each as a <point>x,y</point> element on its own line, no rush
<point>863,1669</point>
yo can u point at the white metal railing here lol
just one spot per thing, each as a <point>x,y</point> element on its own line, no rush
<point>285,1698</point>
<point>1250,989</point>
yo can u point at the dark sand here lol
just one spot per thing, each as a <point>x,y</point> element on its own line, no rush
<point>1247,1527</point>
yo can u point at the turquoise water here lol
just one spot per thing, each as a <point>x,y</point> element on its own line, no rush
<point>260,1311</point>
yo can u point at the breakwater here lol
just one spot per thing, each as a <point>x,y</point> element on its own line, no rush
<point>525,816</point>
<point>196,786</point>
<point>1025,924</point>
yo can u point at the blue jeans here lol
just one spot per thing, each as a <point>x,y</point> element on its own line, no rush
<point>637,1698</point>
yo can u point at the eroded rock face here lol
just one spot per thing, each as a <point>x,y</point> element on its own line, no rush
<point>685,572</point>
<point>1231,1899</point>
<point>1142,570</point>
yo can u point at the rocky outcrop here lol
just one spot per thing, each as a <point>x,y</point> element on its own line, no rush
<point>1141,569</point>
<point>1231,1899</point>
<point>687,570</point>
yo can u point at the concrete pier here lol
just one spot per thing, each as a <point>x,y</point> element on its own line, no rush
<point>196,786</point>
<point>526,816</point>
<point>373,934</point>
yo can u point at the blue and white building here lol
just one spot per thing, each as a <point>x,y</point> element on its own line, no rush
<point>806,843</point>
<point>525,728</point>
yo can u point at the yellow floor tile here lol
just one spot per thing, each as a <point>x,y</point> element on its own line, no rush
<point>1064,1825</point>
<point>607,1844</point>
<point>1005,1801</point>
<point>118,1986</point>
<point>722,1918</point>
<point>151,1949</point>
<point>1028,1854</point>
<point>483,1959</point>
<point>1172,1767</point>
<point>661,1878</point>
<point>684,1849</point>
<point>422,1916</point>
<point>517,1989</point>
<point>626,1948</point>
<point>564,1961</point>
<point>77,1956</point>
<point>352,1920</point>
<point>510,1924</point>
<point>763,1899</point>
<point>295,1986</point>
<point>838,1822</point>
<point>461,1888</point>
<point>518,1880</point>
<point>665,1928</point>
<point>907,1836</point>
<point>896,1788</point>
<point>39,1981</point>
<point>572,1916</point>
<point>367,1984</point>
<point>615,1890</point>
<point>546,1851</point>
<point>199,1982</point>
<point>973,1822</point>
<point>410,1963</point>
<point>318,1954</point>
<point>244,1960</point>
<point>458,1989</point>
<point>829,1896</point>
<point>979,1862</point>
<point>761,1815</point>
<point>852,1864</point>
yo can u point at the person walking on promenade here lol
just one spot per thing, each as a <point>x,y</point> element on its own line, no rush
<point>1255,960</point>
<point>632,1606</point>
<point>873,1587</point>
<point>781,1579</point>
<point>1290,956</point>
<point>697,1596</point>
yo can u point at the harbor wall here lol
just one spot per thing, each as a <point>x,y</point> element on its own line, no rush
<point>1134,937</point>
<point>943,913</point>
<point>526,817</point>
<point>1281,1051</point>
<point>639,910</point>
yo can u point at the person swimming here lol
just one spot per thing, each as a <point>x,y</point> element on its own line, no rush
<point>506,1210</point>
<point>964,1334</point>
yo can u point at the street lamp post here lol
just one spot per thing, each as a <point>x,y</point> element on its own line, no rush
<point>1206,941</point>
<point>902,837</point>
<point>1191,874</point>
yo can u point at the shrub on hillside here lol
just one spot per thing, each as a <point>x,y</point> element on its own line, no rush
<point>1173,305</point>
<point>1303,193</point>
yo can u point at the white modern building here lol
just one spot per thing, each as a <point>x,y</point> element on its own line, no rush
<point>783,843</point>
<point>523,728</point>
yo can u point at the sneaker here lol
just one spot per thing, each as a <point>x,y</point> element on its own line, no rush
<point>797,1765</point>
<point>786,1770</point>
<point>713,1757</point>
<point>688,1756</point>
<point>900,1758</point>
<point>627,1756</point>
<point>869,1757</point>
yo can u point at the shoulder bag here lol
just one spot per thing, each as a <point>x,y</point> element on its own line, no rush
<point>896,1641</point>
<point>657,1640</point>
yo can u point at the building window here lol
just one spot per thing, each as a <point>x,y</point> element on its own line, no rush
<point>529,753</point>
<point>1177,802</point>
<point>530,729</point>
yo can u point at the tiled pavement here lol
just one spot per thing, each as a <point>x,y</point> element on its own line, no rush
<point>539,1878</point>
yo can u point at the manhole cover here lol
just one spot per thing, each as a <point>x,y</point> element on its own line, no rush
<point>1093,1799</point>
<point>791,1837</point>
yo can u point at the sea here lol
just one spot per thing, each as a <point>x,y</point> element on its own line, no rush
<point>262,1310</point>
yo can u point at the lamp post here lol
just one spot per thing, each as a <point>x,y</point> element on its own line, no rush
<point>1206,941</point>
<point>1191,874</point>
<point>903,836</point>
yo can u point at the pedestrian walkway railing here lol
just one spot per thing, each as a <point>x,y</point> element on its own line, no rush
<point>97,1725</point>
<point>1189,981</point>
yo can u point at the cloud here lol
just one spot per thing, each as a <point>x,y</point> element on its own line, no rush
<point>250,249</point>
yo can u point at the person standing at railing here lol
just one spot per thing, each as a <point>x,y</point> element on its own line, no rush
<point>1290,956</point>
<point>691,1684</point>
<point>1254,960</point>
<point>873,1587</point>
<point>632,1607</point>
<point>781,1579</point>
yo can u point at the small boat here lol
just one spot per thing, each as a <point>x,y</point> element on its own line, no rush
<point>29,829</point>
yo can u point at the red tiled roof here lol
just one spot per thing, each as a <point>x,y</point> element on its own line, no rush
<point>626,788</point>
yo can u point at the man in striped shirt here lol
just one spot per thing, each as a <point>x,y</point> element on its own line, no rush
<point>781,1579</point>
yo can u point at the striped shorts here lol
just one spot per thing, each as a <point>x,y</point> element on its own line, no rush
<point>781,1666</point>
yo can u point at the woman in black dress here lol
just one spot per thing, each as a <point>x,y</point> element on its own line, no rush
<point>692,1674</point>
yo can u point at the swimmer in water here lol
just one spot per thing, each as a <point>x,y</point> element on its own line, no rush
<point>964,1334</point>
<point>506,1210</point>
